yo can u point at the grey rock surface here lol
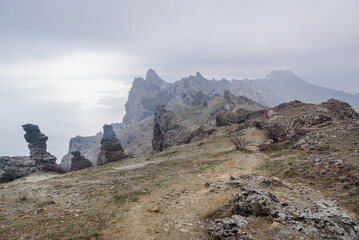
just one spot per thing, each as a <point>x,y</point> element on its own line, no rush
<point>229,228</point>
<point>167,131</point>
<point>79,162</point>
<point>89,147</point>
<point>37,146</point>
<point>111,148</point>
<point>199,134</point>
<point>12,168</point>
<point>186,95</point>
<point>277,87</point>
<point>323,219</point>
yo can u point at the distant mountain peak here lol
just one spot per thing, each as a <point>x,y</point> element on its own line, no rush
<point>151,74</point>
<point>152,77</point>
<point>199,75</point>
<point>281,75</point>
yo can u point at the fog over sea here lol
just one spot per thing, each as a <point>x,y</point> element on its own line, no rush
<point>60,121</point>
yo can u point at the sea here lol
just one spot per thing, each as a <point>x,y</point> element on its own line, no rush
<point>60,121</point>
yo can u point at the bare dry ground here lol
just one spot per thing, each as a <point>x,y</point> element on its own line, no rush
<point>163,196</point>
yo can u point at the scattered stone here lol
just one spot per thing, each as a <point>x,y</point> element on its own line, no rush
<point>111,149</point>
<point>155,210</point>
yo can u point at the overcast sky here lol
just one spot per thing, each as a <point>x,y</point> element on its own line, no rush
<point>76,49</point>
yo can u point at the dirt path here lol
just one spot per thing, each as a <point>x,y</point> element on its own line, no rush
<point>181,203</point>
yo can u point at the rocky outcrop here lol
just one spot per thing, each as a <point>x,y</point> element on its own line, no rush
<point>79,162</point>
<point>89,147</point>
<point>189,94</point>
<point>37,145</point>
<point>277,87</point>
<point>199,134</point>
<point>235,102</point>
<point>111,149</point>
<point>167,131</point>
<point>239,110</point>
<point>227,118</point>
<point>12,168</point>
<point>322,220</point>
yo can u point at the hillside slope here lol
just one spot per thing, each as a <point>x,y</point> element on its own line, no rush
<point>175,194</point>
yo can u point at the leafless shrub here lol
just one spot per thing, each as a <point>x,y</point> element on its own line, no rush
<point>239,142</point>
<point>275,131</point>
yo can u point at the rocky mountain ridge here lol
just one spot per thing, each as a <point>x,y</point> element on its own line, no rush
<point>277,87</point>
<point>197,100</point>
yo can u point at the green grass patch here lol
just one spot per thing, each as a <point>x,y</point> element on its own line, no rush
<point>132,196</point>
<point>167,154</point>
<point>159,183</point>
<point>342,179</point>
<point>210,165</point>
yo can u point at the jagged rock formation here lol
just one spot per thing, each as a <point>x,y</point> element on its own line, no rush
<point>111,149</point>
<point>79,162</point>
<point>277,87</point>
<point>37,144</point>
<point>145,95</point>
<point>12,168</point>
<point>189,97</point>
<point>167,130</point>
<point>38,153</point>
<point>322,220</point>
<point>89,147</point>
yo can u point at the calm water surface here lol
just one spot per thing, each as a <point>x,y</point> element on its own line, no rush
<point>59,121</point>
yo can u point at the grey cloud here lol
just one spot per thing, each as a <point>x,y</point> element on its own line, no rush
<point>318,40</point>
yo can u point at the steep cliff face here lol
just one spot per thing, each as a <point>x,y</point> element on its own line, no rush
<point>167,130</point>
<point>144,96</point>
